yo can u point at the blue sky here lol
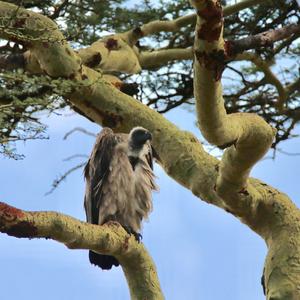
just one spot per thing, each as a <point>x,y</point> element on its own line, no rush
<point>200,251</point>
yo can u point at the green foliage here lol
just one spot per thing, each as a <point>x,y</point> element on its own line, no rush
<point>85,21</point>
<point>22,100</point>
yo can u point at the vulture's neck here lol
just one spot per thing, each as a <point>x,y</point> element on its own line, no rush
<point>135,153</point>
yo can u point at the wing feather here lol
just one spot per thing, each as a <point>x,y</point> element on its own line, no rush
<point>96,172</point>
<point>114,189</point>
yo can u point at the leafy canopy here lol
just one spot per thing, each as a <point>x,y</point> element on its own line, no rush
<point>247,85</point>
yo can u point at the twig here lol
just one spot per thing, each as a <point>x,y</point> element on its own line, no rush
<point>58,181</point>
<point>80,129</point>
<point>75,156</point>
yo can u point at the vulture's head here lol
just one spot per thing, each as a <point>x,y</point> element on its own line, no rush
<point>138,136</point>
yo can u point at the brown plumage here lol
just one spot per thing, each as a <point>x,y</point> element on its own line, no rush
<point>119,183</point>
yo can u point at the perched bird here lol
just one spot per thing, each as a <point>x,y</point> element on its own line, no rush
<point>119,183</point>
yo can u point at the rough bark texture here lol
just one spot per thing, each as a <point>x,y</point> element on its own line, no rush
<point>225,184</point>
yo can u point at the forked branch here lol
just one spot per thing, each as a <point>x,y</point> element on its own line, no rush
<point>247,136</point>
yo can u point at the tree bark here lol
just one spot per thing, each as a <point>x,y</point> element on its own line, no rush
<point>225,184</point>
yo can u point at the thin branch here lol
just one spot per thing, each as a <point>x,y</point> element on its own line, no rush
<point>264,39</point>
<point>288,153</point>
<point>294,86</point>
<point>58,181</point>
<point>58,9</point>
<point>75,156</point>
<point>175,25</point>
<point>270,77</point>
<point>79,129</point>
<point>154,59</point>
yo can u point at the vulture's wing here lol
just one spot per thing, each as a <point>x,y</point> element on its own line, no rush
<point>96,172</point>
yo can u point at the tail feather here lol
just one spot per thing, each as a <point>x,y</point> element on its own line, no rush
<point>105,262</point>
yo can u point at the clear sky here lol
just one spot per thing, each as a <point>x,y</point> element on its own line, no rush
<point>200,251</point>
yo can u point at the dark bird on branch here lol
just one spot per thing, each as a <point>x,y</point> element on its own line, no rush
<point>119,183</point>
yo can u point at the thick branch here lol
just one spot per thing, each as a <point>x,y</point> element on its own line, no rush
<point>110,238</point>
<point>159,58</point>
<point>248,135</point>
<point>112,53</point>
<point>248,138</point>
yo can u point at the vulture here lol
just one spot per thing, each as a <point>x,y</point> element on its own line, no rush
<point>119,183</point>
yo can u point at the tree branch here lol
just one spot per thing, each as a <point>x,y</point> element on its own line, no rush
<point>264,66</point>
<point>234,49</point>
<point>265,210</point>
<point>62,177</point>
<point>264,39</point>
<point>118,52</point>
<point>79,129</point>
<point>59,8</point>
<point>247,138</point>
<point>240,131</point>
<point>156,59</point>
<point>175,25</point>
<point>109,238</point>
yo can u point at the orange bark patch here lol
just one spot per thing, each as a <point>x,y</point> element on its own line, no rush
<point>213,15</point>
<point>126,243</point>
<point>11,224</point>
<point>244,192</point>
<point>213,61</point>
<point>108,119</point>
<point>117,84</point>
<point>10,213</point>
